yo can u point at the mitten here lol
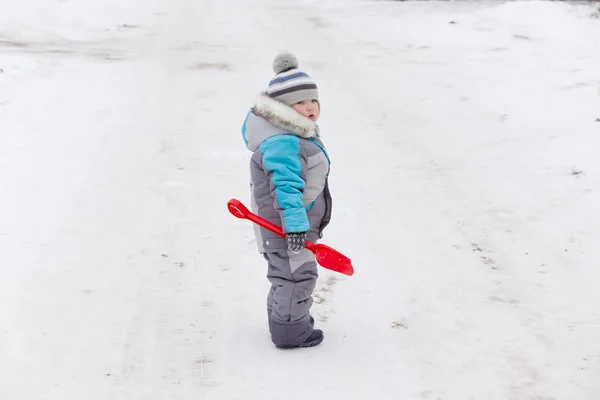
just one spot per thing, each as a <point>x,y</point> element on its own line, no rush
<point>296,241</point>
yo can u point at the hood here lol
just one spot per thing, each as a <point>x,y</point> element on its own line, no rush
<point>269,117</point>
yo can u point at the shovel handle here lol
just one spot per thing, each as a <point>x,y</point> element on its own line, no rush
<point>241,211</point>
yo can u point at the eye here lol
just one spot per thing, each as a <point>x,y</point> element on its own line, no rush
<point>314,101</point>
<point>300,102</point>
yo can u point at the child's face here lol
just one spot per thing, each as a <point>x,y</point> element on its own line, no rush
<point>309,108</point>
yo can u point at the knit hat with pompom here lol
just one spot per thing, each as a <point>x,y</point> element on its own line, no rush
<point>291,85</point>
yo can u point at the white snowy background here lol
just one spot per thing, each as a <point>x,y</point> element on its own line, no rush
<point>465,175</point>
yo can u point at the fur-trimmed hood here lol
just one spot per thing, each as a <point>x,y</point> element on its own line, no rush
<point>269,117</point>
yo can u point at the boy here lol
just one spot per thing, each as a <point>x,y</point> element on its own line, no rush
<point>289,171</point>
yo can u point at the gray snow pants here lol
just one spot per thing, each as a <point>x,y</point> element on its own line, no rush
<point>293,278</point>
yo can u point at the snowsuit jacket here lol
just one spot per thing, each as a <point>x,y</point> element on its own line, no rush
<point>289,171</point>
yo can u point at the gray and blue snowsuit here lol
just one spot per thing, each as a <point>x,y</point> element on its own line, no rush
<point>289,171</point>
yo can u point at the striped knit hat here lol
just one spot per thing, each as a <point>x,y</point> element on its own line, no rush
<point>291,85</point>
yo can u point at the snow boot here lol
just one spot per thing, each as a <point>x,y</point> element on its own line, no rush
<point>313,340</point>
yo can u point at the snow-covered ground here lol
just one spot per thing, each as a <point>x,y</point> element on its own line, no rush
<point>465,176</point>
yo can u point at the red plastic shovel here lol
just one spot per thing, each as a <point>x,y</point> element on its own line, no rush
<point>327,257</point>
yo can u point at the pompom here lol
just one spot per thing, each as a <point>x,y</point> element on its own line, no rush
<point>284,62</point>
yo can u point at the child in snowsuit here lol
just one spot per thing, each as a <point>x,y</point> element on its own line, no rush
<point>289,171</point>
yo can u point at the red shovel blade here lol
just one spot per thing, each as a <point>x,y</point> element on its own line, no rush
<point>326,256</point>
<point>330,258</point>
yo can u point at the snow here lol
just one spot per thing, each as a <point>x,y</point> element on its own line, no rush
<point>465,178</point>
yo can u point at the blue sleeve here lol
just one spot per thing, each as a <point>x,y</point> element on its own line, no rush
<point>244,128</point>
<point>281,157</point>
